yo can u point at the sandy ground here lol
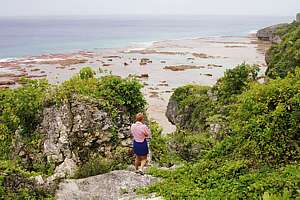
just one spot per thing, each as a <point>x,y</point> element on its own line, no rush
<point>161,67</point>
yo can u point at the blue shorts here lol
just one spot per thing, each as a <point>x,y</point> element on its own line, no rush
<point>140,148</point>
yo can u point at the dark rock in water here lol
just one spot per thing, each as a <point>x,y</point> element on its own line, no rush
<point>7,82</point>
<point>269,33</point>
<point>144,76</point>
<point>145,61</point>
<point>113,185</point>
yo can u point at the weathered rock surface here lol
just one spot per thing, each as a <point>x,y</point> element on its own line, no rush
<point>114,185</point>
<point>172,111</point>
<point>78,130</point>
<point>182,117</point>
<point>269,33</point>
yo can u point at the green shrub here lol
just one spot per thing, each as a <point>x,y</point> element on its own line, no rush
<point>191,146</point>
<point>94,166</point>
<point>122,93</point>
<point>160,147</point>
<point>268,117</point>
<point>20,108</point>
<point>86,73</point>
<point>15,183</point>
<point>285,56</point>
<point>113,93</point>
<point>100,165</point>
<point>225,179</point>
<point>234,82</point>
<point>122,157</point>
<point>194,106</point>
<point>5,142</point>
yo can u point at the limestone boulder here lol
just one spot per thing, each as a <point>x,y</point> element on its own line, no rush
<point>114,185</point>
<point>78,130</point>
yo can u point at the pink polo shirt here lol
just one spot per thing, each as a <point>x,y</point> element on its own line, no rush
<point>139,131</point>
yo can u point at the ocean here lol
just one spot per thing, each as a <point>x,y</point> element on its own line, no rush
<point>28,36</point>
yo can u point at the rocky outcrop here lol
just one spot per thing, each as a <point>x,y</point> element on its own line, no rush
<point>298,18</point>
<point>183,117</point>
<point>172,110</point>
<point>78,130</point>
<point>176,117</point>
<point>269,33</point>
<point>113,185</point>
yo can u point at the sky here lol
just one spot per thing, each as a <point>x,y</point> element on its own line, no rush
<point>148,7</point>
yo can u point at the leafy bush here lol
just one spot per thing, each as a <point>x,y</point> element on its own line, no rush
<point>268,117</point>
<point>15,183</point>
<point>285,56</point>
<point>114,93</point>
<point>191,146</point>
<point>226,179</point>
<point>194,106</point>
<point>234,82</point>
<point>86,73</point>
<point>94,166</point>
<point>160,147</point>
<point>100,165</point>
<point>20,108</point>
<point>122,93</point>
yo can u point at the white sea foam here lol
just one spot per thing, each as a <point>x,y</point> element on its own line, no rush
<point>42,60</point>
<point>143,44</point>
<point>5,70</point>
<point>252,32</point>
<point>8,59</point>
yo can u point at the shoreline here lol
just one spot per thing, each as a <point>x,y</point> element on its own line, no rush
<point>161,67</point>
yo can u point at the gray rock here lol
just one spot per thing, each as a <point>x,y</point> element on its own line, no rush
<point>298,18</point>
<point>77,130</point>
<point>269,33</point>
<point>66,169</point>
<point>215,128</point>
<point>172,111</point>
<point>38,180</point>
<point>113,185</point>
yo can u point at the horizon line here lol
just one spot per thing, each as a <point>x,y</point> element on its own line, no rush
<point>150,15</point>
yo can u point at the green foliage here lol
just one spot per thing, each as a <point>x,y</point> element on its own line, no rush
<point>86,73</point>
<point>285,56</point>
<point>234,82</point>
<point>94,166</point>
<point>160,147</point>
<point>15,183</point>
<point>20,108</point>
<point>113,93</point>
<point>122,93</point>
<point>258,159</point>
<point>194,106</point>
<point>268,117</point>
<point>100,165</point>
<point>226,179</point>
<point>191,146</point>
<point>5,142</point>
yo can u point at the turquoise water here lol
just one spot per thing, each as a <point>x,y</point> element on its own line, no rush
<point>34,36</point>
